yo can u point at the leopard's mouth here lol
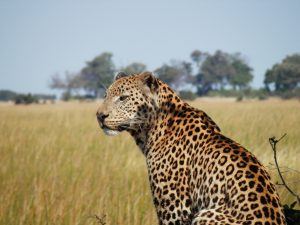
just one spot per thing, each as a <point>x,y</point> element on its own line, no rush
<point>112,131</point>
<point>123,127</point>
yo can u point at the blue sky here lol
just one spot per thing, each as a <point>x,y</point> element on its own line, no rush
<point>40,38</point>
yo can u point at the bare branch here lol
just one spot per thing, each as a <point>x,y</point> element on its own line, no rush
<point>273,142</point>
<point>272,166</point>
<point>100,219</point>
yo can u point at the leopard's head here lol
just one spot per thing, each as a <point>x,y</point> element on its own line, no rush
<point>130,103</point>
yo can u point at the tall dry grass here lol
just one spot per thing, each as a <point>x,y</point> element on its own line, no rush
<point>57,167</point>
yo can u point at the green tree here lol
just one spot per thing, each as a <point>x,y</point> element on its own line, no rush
<point>98,73</point>
<point>221,70</point>
<point>284,76</point>
<point>242,74</point>
<point>214,72</point>
<point>176,74</point>
<point>197,57</point>
<point>70,84</point>
<point>134,68</point>
<point>57,82</point>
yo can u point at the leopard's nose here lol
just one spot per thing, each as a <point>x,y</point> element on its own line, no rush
<point>101,117</point>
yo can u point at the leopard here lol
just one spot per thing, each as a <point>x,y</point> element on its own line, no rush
<point>197,175</point>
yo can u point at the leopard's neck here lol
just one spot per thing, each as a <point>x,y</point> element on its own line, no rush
<point>169,119</point>
<point>169,106</point>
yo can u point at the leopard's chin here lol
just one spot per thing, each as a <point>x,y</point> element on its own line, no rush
<point>110,132</point>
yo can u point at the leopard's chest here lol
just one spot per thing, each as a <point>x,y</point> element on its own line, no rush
<point>168,165</point>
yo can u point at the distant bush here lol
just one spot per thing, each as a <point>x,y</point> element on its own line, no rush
<point>289,94</point>
<point>187,95</point>
<point>66,96</point>
<point>260,94</point>
<point>25,99</point>
<point>7,95</point>
<point>262,97</point>
<point>84,97</point>
<point>44,97</point>
<point>239,98</point>
<point>225,93</point>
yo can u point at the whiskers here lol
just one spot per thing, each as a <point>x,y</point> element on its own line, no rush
<point>133,124</point>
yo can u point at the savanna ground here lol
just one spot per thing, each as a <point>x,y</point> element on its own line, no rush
<point>57,167</point>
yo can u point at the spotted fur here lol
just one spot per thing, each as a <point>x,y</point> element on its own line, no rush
<point>197,175</point>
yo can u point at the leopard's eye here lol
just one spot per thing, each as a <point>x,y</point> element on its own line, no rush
<point>123,97</point>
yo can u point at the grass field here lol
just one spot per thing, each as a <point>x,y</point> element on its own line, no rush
<point>57,167</point>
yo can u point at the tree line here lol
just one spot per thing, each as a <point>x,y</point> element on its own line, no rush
<point>21,98</point>
<point>205,73</point>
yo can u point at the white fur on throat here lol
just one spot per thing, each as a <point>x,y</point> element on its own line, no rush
<point>110,132</point>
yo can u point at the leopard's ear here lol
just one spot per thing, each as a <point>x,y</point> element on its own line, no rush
<point>120,75</point>
<point>149,80</point>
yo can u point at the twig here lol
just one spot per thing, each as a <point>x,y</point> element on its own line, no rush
<point>283,167</point>
<point>273,142</point>
<point>100,220</point>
